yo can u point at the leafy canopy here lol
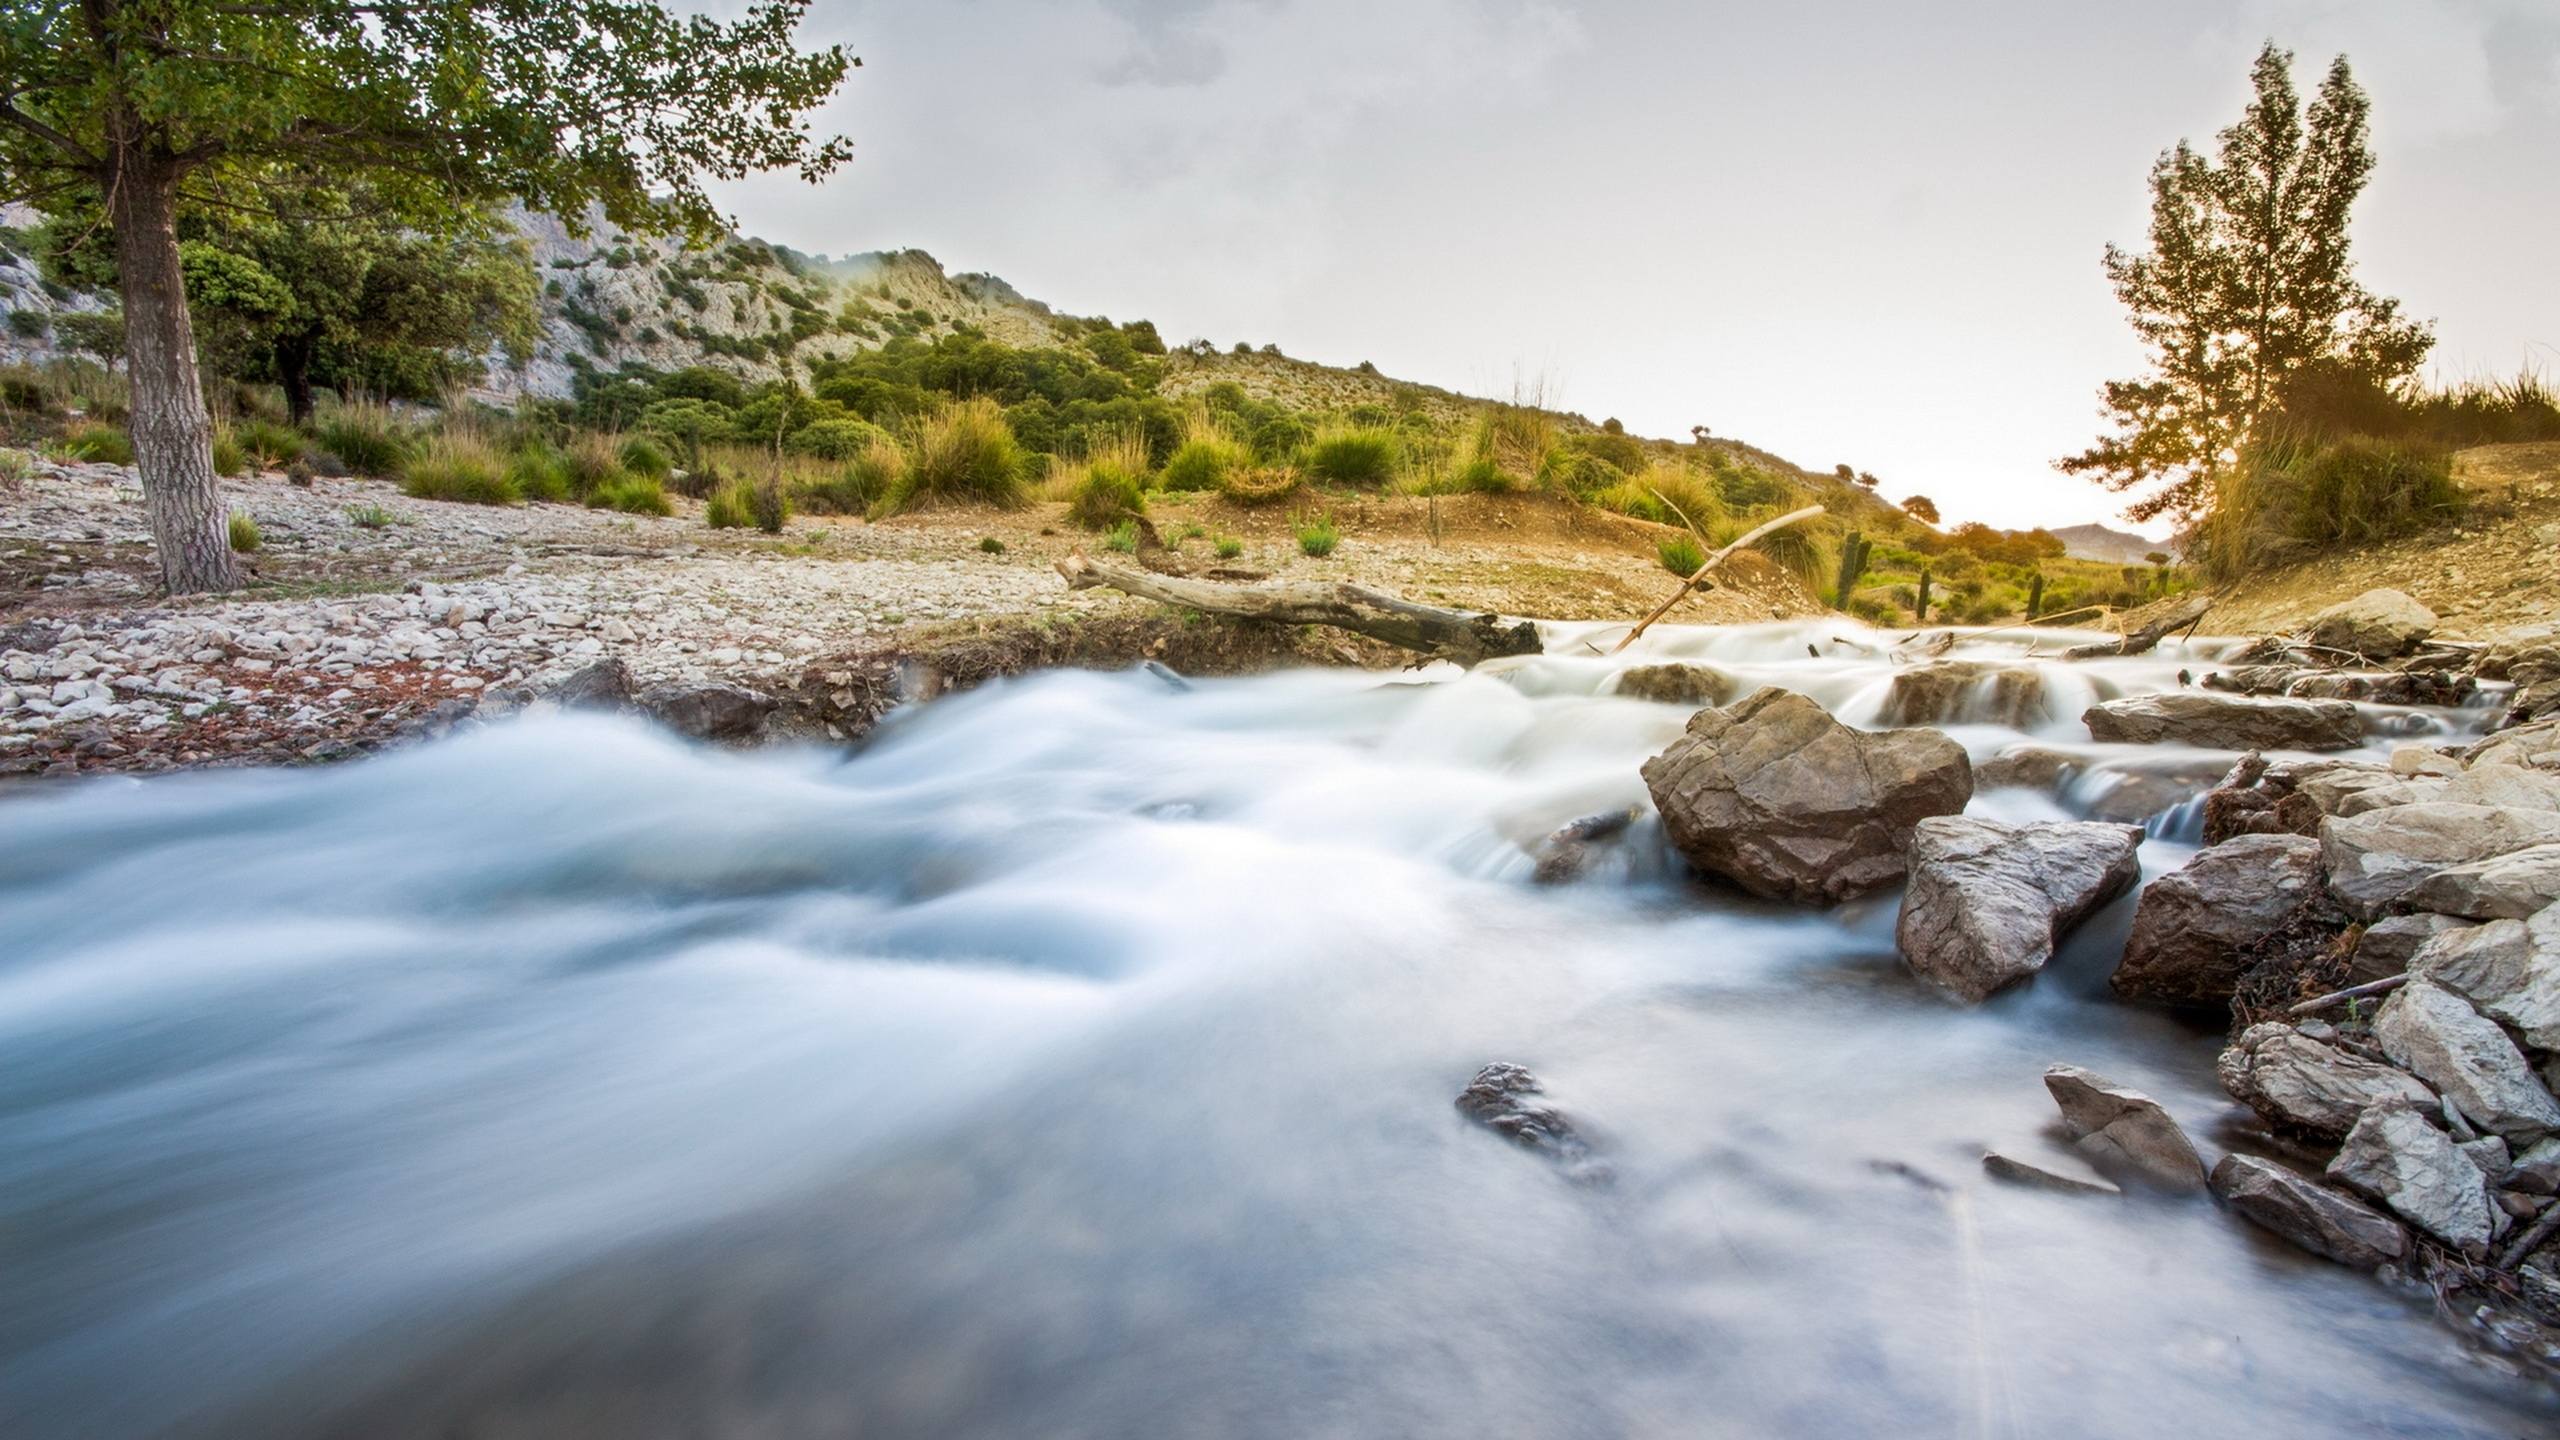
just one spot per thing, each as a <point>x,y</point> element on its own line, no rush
<point>2246,283</point>
<point>562,104</point>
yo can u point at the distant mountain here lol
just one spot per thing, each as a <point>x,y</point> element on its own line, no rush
<point>2097,542</point>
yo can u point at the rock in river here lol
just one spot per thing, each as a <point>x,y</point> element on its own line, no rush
<point>2191,933</point>
<point>1790,804</point>
<point>2378,625</point>
<point>717,711</point>
<point>2307,1086</point>
<point>1945,692</point>
<point>2394,1155</point>
<point>2221,722</point>
<point>1988,901</point>
<point>1676,684</point>
<point>1501,1099</point>
<point>2377,858</point>
<point>2124,1130</point>
<point>2434,1034</point>
<point>2310,1215</point>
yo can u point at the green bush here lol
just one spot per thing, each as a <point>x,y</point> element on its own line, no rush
<point>964,453</point>
<point>2298,498</point>
<point>269,444</point>
<point>1122,537</point>
<point>1680,555</point>
<point>595,463</point>
<point>990,545</point>
<point>244,533</point>
<point>228,458</point>
<point>1229,547</point>
<point>15,467</point>
<point>1204,463</point>
<point>95,442</point>
<point>540,472</point>
<point>632,495</point>
<point>769,505</point>
<point>368,516</point>
<point>1261,487</point>
<point>1317,537</point>
<point>832,439</point>
<point>366,440</point>
<point>642,456</point>
<point>1107,496</point>
<point>729,507</point>
<point>1354,457</point>
<point>458,467</point>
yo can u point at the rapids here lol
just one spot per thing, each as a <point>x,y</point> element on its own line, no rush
<point>1075,1059</point>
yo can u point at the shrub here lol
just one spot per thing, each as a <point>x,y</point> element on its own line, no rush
<point>2297,498</point>
<point>1519,439</point>
<point>594,463</point>
<point>1317,537</point>
<point>368,516</point>
<point>832,439</point>
<point>1122,537</point>
<point>728,507</point>
<point>366,439</point>
<point>1680,555</point>
<point>1354,456</point>
<point>864,480</point>
<point>1229,547</point>
<point>268,444</point>
<point>540,472</point>
<point>29,324</point>
<point>244,533</point>
<point>297,473</point>
<point>964,453</point>
<point>1205,463</point>
<point>643,456</point>
<point>96,442</point>
<point>990,545</point>
<point>460,467</point>
<point>228,458</point>
<point>1107,496</point>
<point>15,467</point>
<point>1261,487</point>
<point>632,495</point>
<point>769,505</point>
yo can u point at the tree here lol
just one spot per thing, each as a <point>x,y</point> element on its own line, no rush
<point>144,107</point>
<point>1922,509</point>
<point>2246,282</point>
<point>1868,479</point>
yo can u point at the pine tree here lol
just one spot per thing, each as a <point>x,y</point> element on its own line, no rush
<point>2247,281</point>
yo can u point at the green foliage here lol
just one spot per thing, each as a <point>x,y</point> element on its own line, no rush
<point>730,507</point>
<point>840,439</point>
<point>459,467</point>
<point>2301,498</point>
<point>228,458</point>
<point>642,456</point>
<point>1112,485</point>
<point>1204,463</point>
<point>963,454</point>
<point>1680,555</point>
<point>1122,537</point>
<point>593,462</point>
<point>2247,283</point>
<point>368,516</point>
<point>1229,547</point>
<point>1317,536</point>
<point>1268,486</point>
<point>365,438</point>
<point>632,495</point>
<point>769,505</point>
<point>15,467</point>
<point>244,535</point>
<point>1922,509</point>
<point>990,545</point>
<point>96,442</point>
<point>1855,552</point>
<point>538,471</point>
<point>1353,456</point>
<point>268,445</point>
<point>29,324</point>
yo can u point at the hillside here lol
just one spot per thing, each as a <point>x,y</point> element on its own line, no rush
<point>2119,547</point>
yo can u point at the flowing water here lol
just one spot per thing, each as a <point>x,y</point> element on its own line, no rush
<point>1075,1059</point>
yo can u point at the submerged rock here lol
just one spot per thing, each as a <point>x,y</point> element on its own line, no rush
<point>2395,1156</point>
<point>1565,853</point>
<point>1947,691</point>
<point>2219,722</point>
<point>2307,1086</point>
<point>2378,625</point>
<point>1988,901</point>
<point>2122,1129</point>
<point>2193,929</point>
<point>2376,858</point>
<point>2434,1034</point>
<point>1677,684</point>
<point>2038,1177</point>
<point>1500,1099</point>
<point>2309,1214</point>
<point>1790,804</point>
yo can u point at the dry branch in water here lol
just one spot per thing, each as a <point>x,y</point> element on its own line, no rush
<point>1718,558</point>
<point>1447,634</point>
<point>2185,615</point>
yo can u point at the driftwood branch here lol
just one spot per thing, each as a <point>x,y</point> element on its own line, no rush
<point>1700,574</point>
<point>2185,615</point>
<point>1448,634</point>
<point>2318,1003</point>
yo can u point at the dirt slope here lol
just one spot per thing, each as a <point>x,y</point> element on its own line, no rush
<point>2498,570</point>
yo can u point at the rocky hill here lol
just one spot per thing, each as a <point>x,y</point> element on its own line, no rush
<point>2116,547</point>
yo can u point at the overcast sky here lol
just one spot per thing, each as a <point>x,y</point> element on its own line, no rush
<point>1845,232</point>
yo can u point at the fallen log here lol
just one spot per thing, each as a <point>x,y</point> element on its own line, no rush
<point>1700,574</point>
<point>2185,615</point>
<point>1446,634</point>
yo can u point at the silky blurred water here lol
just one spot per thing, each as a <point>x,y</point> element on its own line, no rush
<point>1075,1059</point>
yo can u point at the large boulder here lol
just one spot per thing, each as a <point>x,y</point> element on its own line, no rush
<point>2508,969</point>
<point>2378,625</point>
<point>713,711</point>
<point>2310,1215</point>
<point>2388,945</point>
<point>1988,902</point>
<point>2305,1086</point>
<point>2192,932</point>
<point>1676,684</point>
<point>604,685</point>
<point>1786,802</point>
<point>2394,1155</point>
<point>2502,887</point>
<point>2433,1033</point>
<point>1948,691</point>
<point>2376,858</point>
<point>2123,1130</point>
<point>2222,722</point>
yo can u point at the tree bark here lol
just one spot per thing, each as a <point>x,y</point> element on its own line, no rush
<point>1448,634</point>
<point>172,434</point>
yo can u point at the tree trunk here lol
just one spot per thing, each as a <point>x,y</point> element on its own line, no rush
<point>293,371</point>
<point>172,434</point>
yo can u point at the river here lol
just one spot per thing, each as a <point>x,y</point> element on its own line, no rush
<point>1075,1058</point>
